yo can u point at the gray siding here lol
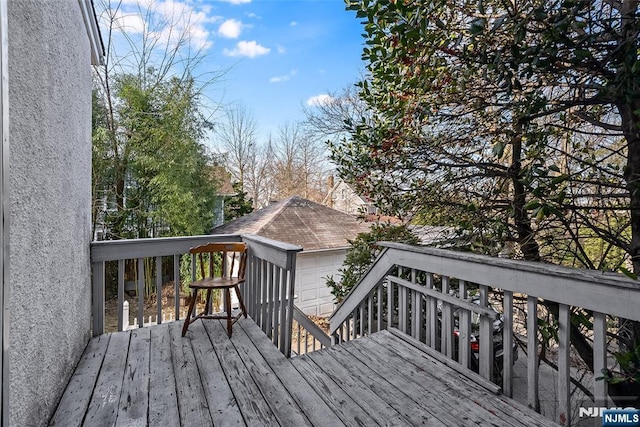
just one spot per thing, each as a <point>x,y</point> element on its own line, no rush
<point>50,193</point>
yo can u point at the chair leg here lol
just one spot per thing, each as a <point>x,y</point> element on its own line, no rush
<point>241,301</point>
<point>207,305</point>
<point>227,303</point>
<point>187,319</point>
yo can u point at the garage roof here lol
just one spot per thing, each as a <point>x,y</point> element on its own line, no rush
<point>300,222</point>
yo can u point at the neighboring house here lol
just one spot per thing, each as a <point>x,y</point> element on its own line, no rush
<point>342,197</point>
<point>321,231</point>
<point>46,162</point>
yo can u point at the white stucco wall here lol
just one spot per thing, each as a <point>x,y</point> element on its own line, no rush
<point>50,194</point>
<point>313,296</point>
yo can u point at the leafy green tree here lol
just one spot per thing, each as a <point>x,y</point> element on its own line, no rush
<point>512,117</point>
<point>363,252</point>
<point>152,173</point>
<point>519,119</point>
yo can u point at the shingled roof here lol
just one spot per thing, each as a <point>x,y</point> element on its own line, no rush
<point>300,222</point>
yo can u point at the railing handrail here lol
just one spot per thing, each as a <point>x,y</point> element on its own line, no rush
<point>311,327</point>
<point>594,276</point>
<point>592,290</point>
<point>113,250</point>
<point>369,280</point>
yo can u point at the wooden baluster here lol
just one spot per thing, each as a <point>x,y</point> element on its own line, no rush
<point>464,330</point>
<point>486,337</point>
<point>159,288</point>
<point>432,315</point>
<point>279,296</point>
<point>447,321</point>
<point>140,292</point>
<point>176,285</point>
<point>564,345</point>
<point>416,310</point>
<point>370,326</point>
<point>599,361</point>
<point>347,325</point>
<point>390,304</point>
<point>380,305</point>
<point>361,319</point>
<point>532,354</point>
<point>121,268</point>
<point>507,344</point>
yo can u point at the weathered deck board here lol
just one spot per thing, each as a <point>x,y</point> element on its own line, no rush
<point>163,402</point>
<point>192,403</point>
<point>103,409</point>
<point>253,406</point>
<point>349,412</point>
<point>74,403</point>
<point>414,378</point>
<point>222,404</point>
<point>373,392</point>
<point>478,399</point>
<point>154,376</point>
<point>277,397</point>
<point>134,400</point>
<point>316,409</point>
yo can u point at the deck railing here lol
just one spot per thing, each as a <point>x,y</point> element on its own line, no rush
<point>307,335</point>
<point>424,291</point>
<point>268,290</point>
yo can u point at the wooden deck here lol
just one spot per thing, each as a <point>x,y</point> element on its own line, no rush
<point>153,376</point>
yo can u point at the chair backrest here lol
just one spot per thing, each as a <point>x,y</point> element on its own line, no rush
<point>226,256</point>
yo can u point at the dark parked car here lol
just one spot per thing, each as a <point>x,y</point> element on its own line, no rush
<point>498,348</point>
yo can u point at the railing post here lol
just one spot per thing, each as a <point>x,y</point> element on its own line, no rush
<point>288,327</point>
<point>97,279</point>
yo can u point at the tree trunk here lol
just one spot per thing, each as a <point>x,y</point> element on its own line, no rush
<point>526,238</point>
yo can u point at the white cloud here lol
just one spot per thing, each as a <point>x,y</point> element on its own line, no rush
<point>249,49</point>
<point>281,49</point>
<point>230,29</point>
<point>293,23</point>
<point>284,78</point>
<point>167,22</point>
<point>322,99</point>
<point>129,22</point>
<point>237,1</point>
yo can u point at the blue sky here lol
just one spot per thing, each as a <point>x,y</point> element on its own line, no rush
<point>280,54</point>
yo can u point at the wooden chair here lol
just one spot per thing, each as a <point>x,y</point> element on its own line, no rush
<point>224,260</point>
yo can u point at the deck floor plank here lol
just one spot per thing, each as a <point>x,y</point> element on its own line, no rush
<point>134,398</point>
<point>469,391</point>
<point>222,403</point>
<point>348,410</point>
<point>316,409</point>
<point>75,400</point>
<point>103,409</point>
<point>163,401</point>
<point>279,399</point>
<point>437,397</point>
<point>251,402</point>
<point>192,403</point>
<point>365,393</point>
<point>395,397</point>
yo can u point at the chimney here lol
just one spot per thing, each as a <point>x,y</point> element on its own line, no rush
<point>330,184</point>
